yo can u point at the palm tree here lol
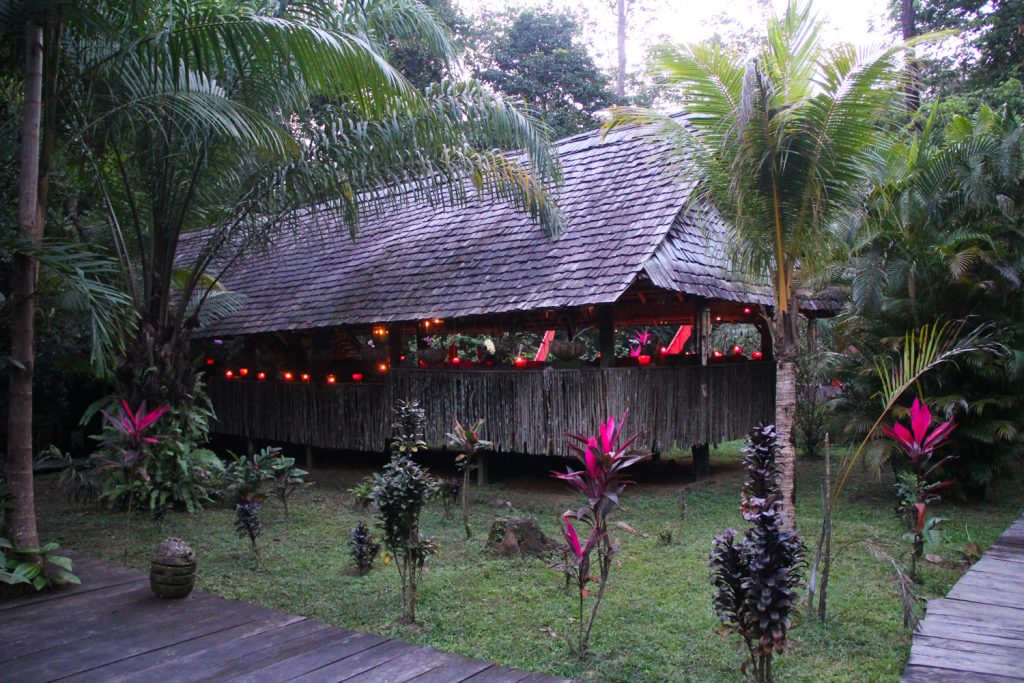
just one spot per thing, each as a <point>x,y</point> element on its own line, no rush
<point>220,123</point>
<point>777,145</point>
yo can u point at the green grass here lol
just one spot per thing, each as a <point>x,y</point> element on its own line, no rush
<point>656,623</point>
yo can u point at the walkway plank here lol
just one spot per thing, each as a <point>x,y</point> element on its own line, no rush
<point>976,633</point>
<point>111,628</point>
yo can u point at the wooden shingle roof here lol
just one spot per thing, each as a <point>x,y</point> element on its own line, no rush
<point>623,200</point>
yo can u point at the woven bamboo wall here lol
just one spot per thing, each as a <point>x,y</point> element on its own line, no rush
<point>524,411</point>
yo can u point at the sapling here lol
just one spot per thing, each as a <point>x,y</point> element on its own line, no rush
<point>601,483</point>
<point>400,493</point>
<point>757,578</point>
<point>467,440</point>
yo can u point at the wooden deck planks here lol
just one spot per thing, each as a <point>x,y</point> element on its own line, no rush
<point>976,633</point>
<point>111,628</point>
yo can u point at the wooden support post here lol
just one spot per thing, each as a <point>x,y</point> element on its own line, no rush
<point>481,470</point>
<point>606,334</point>
<point>766,341</point>
<point>703,325</point>
<point>701,453</point>
<point>249,447</point>
<point>396,347</point>
<point>309,457</point>
<point>701,461</point>
<point>812,335</point>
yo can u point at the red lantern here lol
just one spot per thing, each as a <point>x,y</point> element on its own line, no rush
<point>718,354</point>
<point>243,371</point>
<point>357,377</point>
<point>305,377</point>
<point>737,350</point>
<point>288,376</point>
<point>456,360</point>
<point>229,374</point>
<point>382,367</point>
<point>209,361</point>
<point>261,376</point>
<point>520,362</point>
<point>331,379</point>
<point>643,359</point>
<point>757,355</point>
<point>748,311</point>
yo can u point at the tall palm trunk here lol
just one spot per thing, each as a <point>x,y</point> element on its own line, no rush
<point>785,411</point>
<point>620,73</point>
<point>21,519</point>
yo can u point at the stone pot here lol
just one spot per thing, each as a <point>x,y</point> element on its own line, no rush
<point>172,572</point>
<point>567,350</point>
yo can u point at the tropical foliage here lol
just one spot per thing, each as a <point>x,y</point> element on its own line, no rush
<point>468,442</point>
<point>778,147</point>
<point>601,483</point>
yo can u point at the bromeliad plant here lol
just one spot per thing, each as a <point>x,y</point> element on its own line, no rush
<point>640,343</point>
<point>127,452</point>
<point>601,482</point>
<point>467,440</point>
<point>914,487</point>
<point>757,578</point>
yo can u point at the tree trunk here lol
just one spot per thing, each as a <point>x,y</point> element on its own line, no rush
<point>156,368</point>
<point>620,74</point>
<point>908,27</point>
<point>21,519</point>
<point>786,338</point>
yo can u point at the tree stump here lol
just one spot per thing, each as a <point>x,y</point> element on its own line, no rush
<point>515,536</point>
<point>172,572</point>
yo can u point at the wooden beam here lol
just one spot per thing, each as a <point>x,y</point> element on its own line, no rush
<point>606,334</point>
<point>703,332</point>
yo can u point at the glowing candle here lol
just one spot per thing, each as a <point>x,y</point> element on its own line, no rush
<point>357,377</point>
<point>748,311</point>
<point>209,361</point>
<point>520,362</point>
<point>643,359</point>
<point>456,360</point>
<point>756,355</point>
<point>718,354</point>
<point>229,374</point>
<point>261,376</point>
<point>243,371</point>
<point>288,376</point>
<point>331,379</point>
<point>383,367</point>
<point>737,350</point>
<point>305,377</point>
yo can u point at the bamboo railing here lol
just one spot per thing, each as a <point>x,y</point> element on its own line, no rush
<point>525,411</point>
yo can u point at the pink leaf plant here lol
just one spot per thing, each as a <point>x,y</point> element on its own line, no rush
<point>601,482</point>
<point>639,341</point>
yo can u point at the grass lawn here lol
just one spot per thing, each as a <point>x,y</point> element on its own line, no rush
<point>656,623</point>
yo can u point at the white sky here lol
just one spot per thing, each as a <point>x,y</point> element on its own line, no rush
<point>861,22</point>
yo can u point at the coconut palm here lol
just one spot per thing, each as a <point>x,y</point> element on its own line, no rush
<point>777,146</point>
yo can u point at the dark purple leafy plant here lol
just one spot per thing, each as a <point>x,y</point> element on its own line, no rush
<point>601,482</point>
<point>757,577</point>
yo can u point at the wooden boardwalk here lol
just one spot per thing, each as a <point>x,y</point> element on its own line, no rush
<point>112,628</point>
<point>976,633</point>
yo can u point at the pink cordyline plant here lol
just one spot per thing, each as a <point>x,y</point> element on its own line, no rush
<point>601,482</point>
<point>130,445</point>
<point>638,342</point>
<point>914,490</point>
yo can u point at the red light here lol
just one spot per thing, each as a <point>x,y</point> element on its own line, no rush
<point>229,374</point>
<point>456,360</point>
<point>243,371</point>
<point>209,361</point>
<point>748,311</point>
<point>288,377</point>
<point>520,362</point>
<point>718,354</point>
<point>382,367</point>
<point>357,377</point>
<point>643,359</point>
<point>737,350</point>
<point>757,355</point>
<point>331,379</point>
<point>401,358</point>
<point>664,350</point>
<point>305,377</point>
<point>261,376</point>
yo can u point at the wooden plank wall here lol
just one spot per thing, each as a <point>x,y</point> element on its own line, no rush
<point>525,411</point>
